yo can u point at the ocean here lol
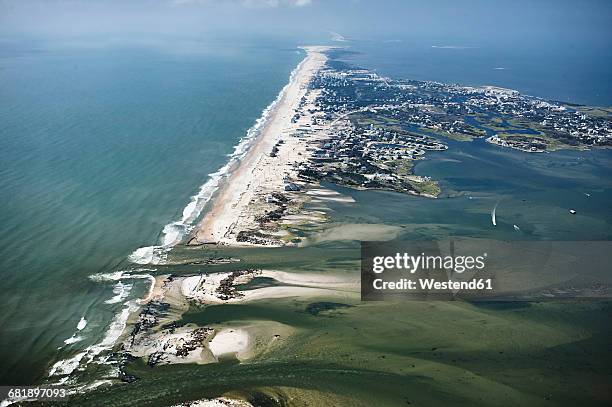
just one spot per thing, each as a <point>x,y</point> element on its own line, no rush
<point>104,148</point>
<point>576,71</point>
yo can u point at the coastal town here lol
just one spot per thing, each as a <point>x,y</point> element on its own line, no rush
<point>351,127</point>
<point>504,116</point>
<point>371,157</point>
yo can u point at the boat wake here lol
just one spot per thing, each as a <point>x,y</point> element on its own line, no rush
<point>493,217</point>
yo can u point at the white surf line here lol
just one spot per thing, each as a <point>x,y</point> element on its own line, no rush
<point>174,232</point>
<point>121,292</point>
<point>65,367</point>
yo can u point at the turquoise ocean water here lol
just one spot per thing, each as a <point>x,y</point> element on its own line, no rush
<point>103,147</point>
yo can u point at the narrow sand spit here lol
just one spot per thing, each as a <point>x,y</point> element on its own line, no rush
<point>218,402</point>
<point>220,287</point>
<point>158,339</point>
<point>241,199</point>
<point>264,181</point>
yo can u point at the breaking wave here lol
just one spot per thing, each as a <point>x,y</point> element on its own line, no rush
<point>175,231</point>
<point>121,292</point>
<point>82,324</point>
<point>73,339</point>
<point>75,336</point>
<point>171,234</point>
<point>65,367</point>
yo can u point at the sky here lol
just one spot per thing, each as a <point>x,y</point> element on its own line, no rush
<point>447,21</point>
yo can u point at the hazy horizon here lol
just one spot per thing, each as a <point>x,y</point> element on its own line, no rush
<point>442,22</point>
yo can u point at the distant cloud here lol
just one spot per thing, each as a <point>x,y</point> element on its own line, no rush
<point>248,3</point>
<point>276,3</point>
<point>187,2</point>
<point>452,47</point>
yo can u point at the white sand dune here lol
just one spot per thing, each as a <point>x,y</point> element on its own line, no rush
<point>203,288</point>
<point>218,402</point>
<point>230,341</point>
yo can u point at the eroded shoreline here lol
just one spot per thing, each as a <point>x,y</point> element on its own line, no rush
<point>158,337</point>
<point>258,185</point>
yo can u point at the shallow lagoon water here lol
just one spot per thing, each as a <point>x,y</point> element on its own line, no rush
<point>533,191</point>
<point>90,189</point>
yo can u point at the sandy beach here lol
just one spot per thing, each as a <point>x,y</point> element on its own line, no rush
<point>263,181</point>
<point>218,402</point>
<point>157,338</point>
<point>245,195</point>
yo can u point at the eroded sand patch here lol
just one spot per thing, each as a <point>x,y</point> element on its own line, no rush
<point>221,287</point>
<point>157,338</point>
<point>357,231</point>
<point>218,402</point>
<point>230,341</point>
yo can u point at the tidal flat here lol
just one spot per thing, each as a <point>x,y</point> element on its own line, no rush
<point>551,352</point>
<point>396,353</point>
<point>341,351</point>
